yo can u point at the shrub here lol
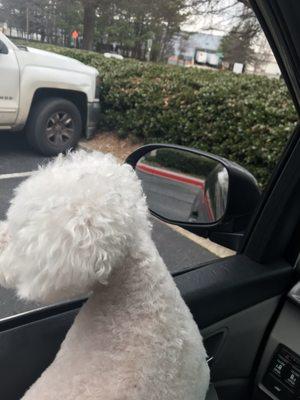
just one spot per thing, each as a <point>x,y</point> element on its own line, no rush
<point>179,161</point>
<point>244,118</point>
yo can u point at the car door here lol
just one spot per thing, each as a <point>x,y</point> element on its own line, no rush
<point>9,84</point>
<point>235,301</point>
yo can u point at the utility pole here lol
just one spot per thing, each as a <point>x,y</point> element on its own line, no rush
<point>149,48</point>
<point>54,22</point>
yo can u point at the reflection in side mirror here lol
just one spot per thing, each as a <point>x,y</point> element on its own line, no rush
<point>183,186</point>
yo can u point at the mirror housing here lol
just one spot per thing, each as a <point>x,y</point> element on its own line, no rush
<point>242,199</point>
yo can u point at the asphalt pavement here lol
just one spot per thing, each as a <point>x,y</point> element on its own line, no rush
<point>17,160</point>
<point>173,199</point>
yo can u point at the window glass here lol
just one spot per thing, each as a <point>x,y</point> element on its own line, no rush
<point>199,74</point>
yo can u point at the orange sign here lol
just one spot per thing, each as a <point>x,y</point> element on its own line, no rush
<point>75,35</point>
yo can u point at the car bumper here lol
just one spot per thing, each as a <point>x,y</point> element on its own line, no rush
<point>93,117</point>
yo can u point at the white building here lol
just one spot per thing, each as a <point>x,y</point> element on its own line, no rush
<point>266,63</point>
<point>196,48</point>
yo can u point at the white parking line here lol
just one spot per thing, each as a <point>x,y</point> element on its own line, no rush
<point>16,175</point>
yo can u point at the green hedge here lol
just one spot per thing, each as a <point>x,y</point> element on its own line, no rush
<point>179,161</point>
<point>245,118</point>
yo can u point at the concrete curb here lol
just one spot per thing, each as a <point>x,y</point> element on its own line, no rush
<point>84,146</point>
<point>212,247</point>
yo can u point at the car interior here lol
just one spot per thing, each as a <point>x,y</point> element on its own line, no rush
<point>247,306</point>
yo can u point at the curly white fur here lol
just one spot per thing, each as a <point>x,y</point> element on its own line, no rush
<point>81,224</point>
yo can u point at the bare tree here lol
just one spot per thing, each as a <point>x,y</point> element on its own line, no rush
<point>233,12</point>
<point>236,46</point>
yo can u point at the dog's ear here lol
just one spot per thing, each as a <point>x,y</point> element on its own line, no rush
<point>72,223</point>
<point>70,255</point>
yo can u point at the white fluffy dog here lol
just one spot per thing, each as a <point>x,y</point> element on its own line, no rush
<point>81,225</point>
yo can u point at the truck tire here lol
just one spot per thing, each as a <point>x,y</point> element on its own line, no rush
<point>54,126</point>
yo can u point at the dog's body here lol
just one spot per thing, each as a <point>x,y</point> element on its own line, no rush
<point>134,339</point>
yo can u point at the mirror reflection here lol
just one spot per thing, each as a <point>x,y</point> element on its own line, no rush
<point>183,186</point>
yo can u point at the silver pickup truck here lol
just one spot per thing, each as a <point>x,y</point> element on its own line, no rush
<point>52,98</point>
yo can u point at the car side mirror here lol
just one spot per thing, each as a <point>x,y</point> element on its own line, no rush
<point>201,192</point>
<point>3,48</point>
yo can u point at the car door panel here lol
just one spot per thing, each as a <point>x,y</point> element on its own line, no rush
<point>28,343</point>
<point>230,285</point>
<point>26,351</point>
<point>212,394</point>
<point>242,334</point>
<point>233,344</point>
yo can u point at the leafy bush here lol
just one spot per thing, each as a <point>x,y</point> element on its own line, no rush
<point>244,118</point>
<point>180,161</point>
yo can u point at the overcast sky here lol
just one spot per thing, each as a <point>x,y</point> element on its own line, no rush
<point>219,22</point>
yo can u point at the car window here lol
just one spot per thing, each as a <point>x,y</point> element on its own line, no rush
<point>200,75</point>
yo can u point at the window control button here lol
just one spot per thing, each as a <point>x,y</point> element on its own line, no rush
<point>283,375</point>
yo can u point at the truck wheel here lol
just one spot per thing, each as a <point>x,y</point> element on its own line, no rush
<point>54,126</point>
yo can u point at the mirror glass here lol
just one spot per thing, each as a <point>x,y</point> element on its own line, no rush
<point>183,186</point>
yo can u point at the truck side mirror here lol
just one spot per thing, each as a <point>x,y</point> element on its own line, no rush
<point>3,48</point>
<point>201,192</point>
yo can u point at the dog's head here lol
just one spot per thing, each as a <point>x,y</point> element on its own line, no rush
<point>69,225</point>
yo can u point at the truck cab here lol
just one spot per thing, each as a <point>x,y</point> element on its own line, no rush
<point>52,98</point>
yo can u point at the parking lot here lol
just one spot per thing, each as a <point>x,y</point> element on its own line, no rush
<point>17,161</point>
